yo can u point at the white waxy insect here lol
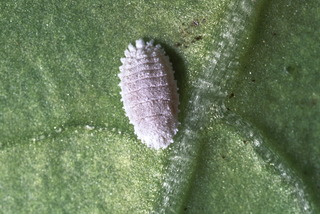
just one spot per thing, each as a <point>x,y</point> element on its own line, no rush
<point>149,93</point>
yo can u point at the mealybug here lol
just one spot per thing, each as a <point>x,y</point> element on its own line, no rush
<point>149,93</point>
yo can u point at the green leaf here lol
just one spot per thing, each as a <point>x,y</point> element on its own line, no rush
<point>248,77</point>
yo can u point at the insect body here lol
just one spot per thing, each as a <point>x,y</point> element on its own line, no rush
<point>149,93</point>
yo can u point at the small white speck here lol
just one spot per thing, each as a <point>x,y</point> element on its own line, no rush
<point>88,127</point>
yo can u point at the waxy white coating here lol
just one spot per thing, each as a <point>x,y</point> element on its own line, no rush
<point>149,94</point>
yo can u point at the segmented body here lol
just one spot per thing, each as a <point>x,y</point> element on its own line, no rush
<point>149,94</point>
